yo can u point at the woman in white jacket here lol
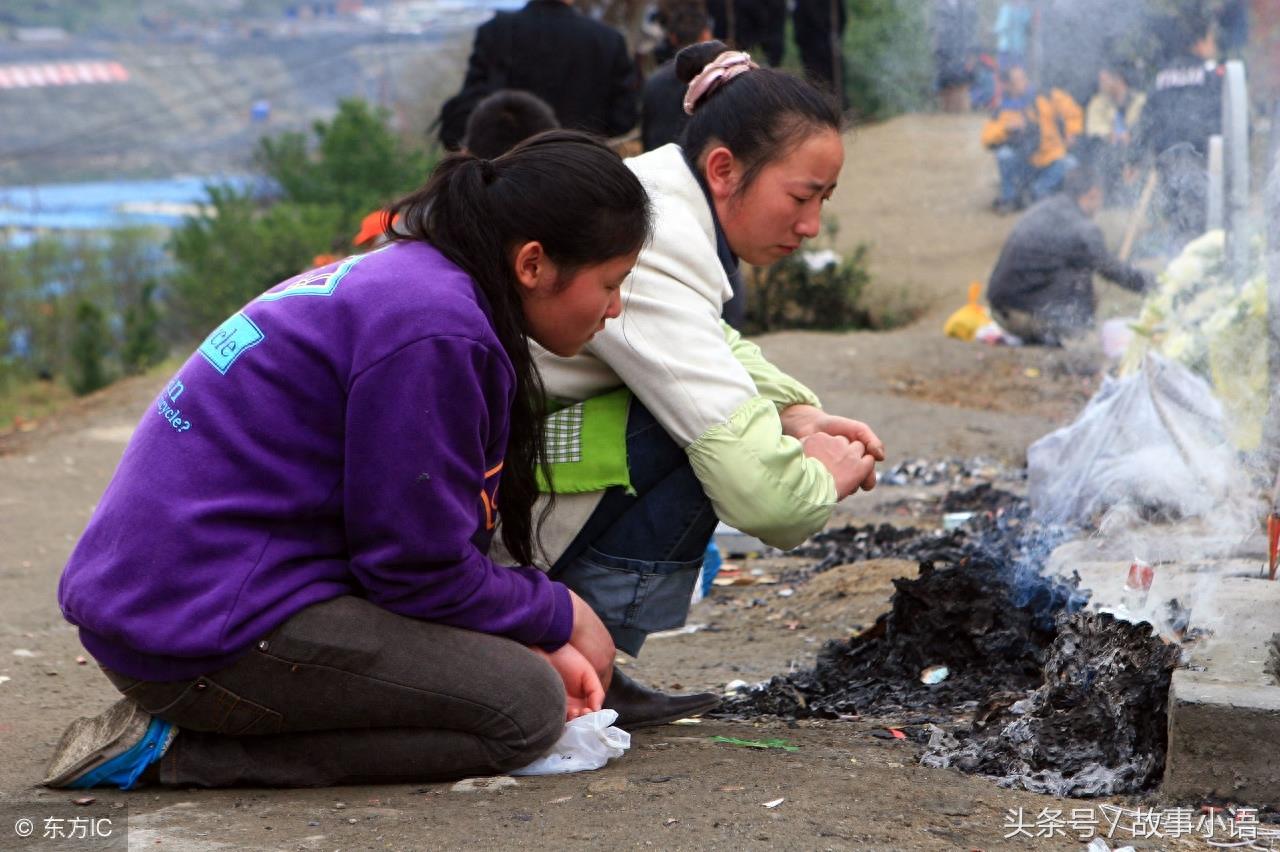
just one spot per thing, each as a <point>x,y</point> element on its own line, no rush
<point>671,419</point>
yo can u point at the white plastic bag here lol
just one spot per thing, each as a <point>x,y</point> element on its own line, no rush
<point>1154,439</point>
<point>588,742</point>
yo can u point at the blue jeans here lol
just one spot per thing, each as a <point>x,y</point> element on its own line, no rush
<point>637,558</point>
<point>1017,175</point>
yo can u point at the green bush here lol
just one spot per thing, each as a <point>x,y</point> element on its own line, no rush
<point>241,246</point>
<point>8,370</point>
<point>89,348</point>
<point>356,164</point>
<point>794,294</point>
<point>96,305</point>
<point>143,347</point>
<point>42,283</point>
<point>888,63</point>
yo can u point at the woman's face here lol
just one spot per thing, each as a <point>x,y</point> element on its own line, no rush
<point>564,312</point>
<point>783,206</point>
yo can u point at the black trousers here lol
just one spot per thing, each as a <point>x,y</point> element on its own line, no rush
<point>346,692</point>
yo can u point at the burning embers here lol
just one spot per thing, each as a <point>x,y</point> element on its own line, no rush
<point>1027,687</point>
<point>997,515</point>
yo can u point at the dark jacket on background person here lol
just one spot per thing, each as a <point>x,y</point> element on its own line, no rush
<point>1046,266</point>
<point>756,23</point>
<point>662,115</point>
<point>581,67</point>
<point>954,28</point>
<point>1076,39</point>
<point>811,20</point>
<point>1185,105</point>
<point>1233,26</point>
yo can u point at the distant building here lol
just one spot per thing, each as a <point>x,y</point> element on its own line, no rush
<point>38,35</point>
<point>36,74</point>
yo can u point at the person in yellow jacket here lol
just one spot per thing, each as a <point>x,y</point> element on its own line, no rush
<point>1031,134</point>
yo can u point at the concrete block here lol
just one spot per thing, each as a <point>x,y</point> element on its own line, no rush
<point>1224,708</point>
<point>1222,742</point>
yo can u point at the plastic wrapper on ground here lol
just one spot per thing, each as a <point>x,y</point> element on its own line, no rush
<point>588,742</point>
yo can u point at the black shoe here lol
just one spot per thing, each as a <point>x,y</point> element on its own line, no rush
<point>641,707</point>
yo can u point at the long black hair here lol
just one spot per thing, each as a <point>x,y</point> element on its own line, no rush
<point>760,116</point>
<point>572,194</point>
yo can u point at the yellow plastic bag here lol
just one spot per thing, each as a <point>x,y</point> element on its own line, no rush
<point>965,322</point>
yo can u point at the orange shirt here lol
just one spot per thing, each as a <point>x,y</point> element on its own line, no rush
<point>1058,116</point>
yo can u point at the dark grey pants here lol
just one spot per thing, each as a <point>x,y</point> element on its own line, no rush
<point>345,692</point>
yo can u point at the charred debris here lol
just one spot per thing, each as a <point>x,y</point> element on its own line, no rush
<point>988,665</point>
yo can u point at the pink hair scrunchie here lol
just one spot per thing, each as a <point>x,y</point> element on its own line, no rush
<point>719,71</point>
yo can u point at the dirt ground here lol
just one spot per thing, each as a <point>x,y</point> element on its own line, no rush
<point>917,189</point>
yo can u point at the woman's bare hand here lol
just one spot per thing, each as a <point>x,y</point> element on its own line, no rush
<point>582,689</point>
<point>847,461</point>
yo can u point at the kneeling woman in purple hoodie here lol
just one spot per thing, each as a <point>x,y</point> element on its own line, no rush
<point>288,578</point>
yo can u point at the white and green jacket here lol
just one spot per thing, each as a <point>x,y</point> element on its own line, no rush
<point>713,391</point>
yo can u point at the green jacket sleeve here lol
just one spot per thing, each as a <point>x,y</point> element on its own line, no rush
<point>772,384</point>
<point>759,480</point>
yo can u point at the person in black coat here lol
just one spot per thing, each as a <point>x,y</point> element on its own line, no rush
<point>662,115</point>
<point>748,24</point>
<point>819,25</point>
<point>954,25</point>
<point>1183,110</point>
<point>1185,104</point>
<point>581,67</point>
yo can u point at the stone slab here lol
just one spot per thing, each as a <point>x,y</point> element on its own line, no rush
<point>1165,546</point>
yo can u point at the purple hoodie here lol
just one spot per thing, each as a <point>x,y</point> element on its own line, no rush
<point>343,434</point>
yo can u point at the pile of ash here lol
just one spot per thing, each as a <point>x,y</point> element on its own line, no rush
<point>1094,727</point>
<point>879,541</point>
<point>965,617</point>
<point>1004,533</point>
<point>983,497</point>
<point>1025,685</point>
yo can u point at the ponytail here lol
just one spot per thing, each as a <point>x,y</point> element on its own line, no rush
<point>563,189</point>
